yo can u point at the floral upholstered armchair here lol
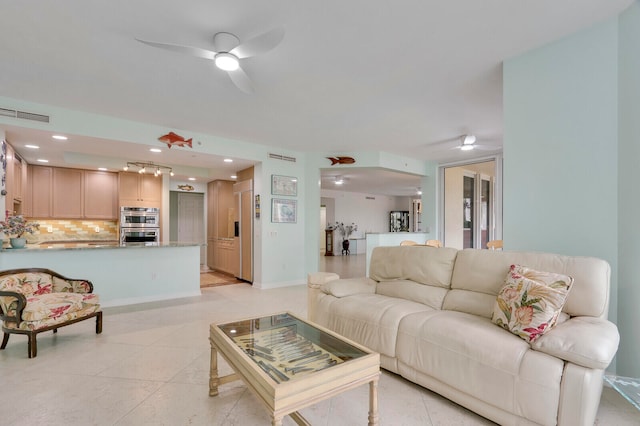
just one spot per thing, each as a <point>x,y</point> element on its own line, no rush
<point>34,300</point>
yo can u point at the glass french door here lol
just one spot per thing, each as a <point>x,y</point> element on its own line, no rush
<point>477,207</point>
<point>469,205</point>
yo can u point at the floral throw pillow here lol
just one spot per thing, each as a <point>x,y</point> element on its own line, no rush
<point>529,303</point>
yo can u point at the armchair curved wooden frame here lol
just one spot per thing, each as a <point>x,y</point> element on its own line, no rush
<point>21,299</point>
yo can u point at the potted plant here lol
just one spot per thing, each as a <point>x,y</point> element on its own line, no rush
<point>345,231</point>
<point>15,227</point>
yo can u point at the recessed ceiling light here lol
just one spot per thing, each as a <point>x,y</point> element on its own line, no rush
<point>228,160</point>
<point>60,137</point>
<point>103,169</point>
<point>192,178</point>
<point>42,160</point>
<point>155,150</point>
<point>32,146</point>
<point>234,177</point>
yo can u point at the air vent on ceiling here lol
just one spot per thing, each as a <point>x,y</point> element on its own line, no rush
<point>24,115</point>
<point>282,157</point>
<point>369,198</point>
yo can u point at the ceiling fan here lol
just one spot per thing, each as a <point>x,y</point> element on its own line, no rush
<point>467,142</point>
<point>228,51</point>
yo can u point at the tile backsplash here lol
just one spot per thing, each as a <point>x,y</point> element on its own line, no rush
<point>73,230</point>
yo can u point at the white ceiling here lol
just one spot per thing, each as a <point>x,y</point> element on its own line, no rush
<point>407,77</point>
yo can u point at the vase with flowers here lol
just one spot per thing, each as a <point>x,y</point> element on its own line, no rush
<point>15,227</point>
<point>345,231</point>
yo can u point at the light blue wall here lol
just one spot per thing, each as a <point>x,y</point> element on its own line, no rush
<point>629,192</point>
<point>571,155</point>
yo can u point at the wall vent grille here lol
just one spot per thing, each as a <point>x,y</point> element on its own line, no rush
<point>4,112</point>
<point>8,112</point>
<point>369,198</point>
<point>282,157</point>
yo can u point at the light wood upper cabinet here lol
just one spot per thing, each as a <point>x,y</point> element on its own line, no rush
<point>100,195</point>
<point>68,193</point>
<point>40,184</point>
<point>62,193</point>
<point>9,180</point>
<point>139,190</point>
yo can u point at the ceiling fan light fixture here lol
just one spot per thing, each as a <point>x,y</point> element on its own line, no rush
<point>469,140</point>
<point>227,61</point>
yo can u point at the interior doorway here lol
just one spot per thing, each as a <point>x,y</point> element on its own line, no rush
<point>471,203</point>
<point>188,210</point>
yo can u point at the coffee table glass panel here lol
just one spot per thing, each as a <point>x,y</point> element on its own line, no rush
<point>290,363</point>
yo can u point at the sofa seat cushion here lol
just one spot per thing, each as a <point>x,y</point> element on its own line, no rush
<point>470,353</point>
<point>54,305</point>
<point>369,319</point>
<point>48,322</point>
<point>410,290</point>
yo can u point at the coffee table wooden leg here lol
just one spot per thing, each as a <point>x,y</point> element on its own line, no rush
<point>214,380</point>
<point>373,403</point>
<point>277,421</point>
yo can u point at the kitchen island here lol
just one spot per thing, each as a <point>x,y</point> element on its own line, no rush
<point>122,274</point>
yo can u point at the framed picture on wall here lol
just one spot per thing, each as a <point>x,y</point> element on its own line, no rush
<point>284,185</point>
<point>284,211</point>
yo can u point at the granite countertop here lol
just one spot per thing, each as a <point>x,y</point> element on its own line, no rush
<point>95,245</point>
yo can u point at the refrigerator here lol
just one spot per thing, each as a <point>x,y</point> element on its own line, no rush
<point>243,227</point>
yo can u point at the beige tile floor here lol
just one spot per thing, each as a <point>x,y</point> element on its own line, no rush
<point>150,366</point>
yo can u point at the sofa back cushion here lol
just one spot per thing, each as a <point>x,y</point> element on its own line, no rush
<point>422,264</point>
<point>479,275</point>
<point>432,296</point>
<point>27,283</point>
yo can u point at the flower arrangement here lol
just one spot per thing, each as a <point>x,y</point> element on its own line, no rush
<point>345,230</point>
<point>17,226</point>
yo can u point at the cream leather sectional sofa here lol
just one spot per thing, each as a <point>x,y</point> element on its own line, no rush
<point>428,312</point>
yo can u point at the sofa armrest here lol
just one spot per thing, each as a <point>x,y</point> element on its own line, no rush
<point>12,310</point>
<point>70,285</point>
<point>349,287</point>
<point>587,341</point>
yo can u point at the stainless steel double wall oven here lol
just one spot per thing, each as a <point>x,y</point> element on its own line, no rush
<point>140,225</point>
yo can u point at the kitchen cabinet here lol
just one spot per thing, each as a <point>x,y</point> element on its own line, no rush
<point>222,250</point>
<point>15,181</point>
<point>61,193</point>
<point>220,209</point>
<point>68,193</point>
<point>139,190</point>
<point>40,183</point>
<point>100,195</point>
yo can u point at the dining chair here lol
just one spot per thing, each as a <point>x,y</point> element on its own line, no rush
<point>494,245</point>
<point>433,243</point>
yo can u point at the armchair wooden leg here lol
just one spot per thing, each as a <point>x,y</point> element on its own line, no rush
<point>33,346</point>
<point>5,339</point>
<point>99,323</point>
<point>55,330</point>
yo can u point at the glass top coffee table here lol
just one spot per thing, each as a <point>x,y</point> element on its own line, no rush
<point>290,363</point>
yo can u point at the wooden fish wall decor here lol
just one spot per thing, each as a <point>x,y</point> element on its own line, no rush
<point>186,187</point>
<point>341,160</point>
<point>174,139</point>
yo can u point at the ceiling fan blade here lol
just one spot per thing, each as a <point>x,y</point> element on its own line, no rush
<point>241,80</point>
<point>259,44</point>
<point>189,50</point>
